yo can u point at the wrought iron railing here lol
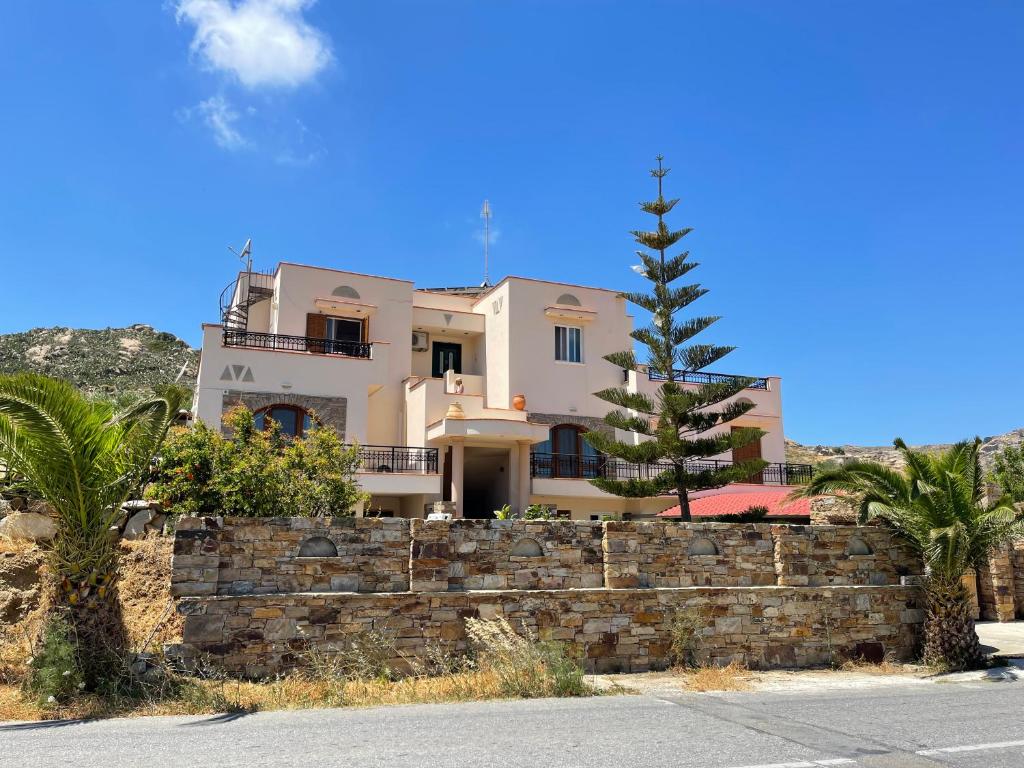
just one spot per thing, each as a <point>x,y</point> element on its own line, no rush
<point>398,458</point>
<point>554,465</point>
<point>705,377</point>
<point>233,338</point>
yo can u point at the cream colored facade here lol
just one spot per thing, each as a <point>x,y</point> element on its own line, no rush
<point>499,347</point>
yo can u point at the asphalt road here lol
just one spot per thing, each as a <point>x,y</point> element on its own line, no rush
<point>972,725</point>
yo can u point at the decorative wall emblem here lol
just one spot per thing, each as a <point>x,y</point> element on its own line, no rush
<point>496,304</point>
<point>235,372</point>
<point>447,319</point>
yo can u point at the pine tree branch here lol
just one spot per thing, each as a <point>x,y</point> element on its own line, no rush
<point>696,357</point>
<point>625,360</point>
<point>685,331</point>
<point>659,207</point>
<point>633,401</point>
<point>634,489</point>
<point>627,423</point>
<point>646,452</point>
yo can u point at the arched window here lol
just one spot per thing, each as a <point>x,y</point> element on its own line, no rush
<point>566,453</point>
<point>293,420</point>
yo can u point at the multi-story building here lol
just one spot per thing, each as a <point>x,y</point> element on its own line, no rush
<point>478,397</point>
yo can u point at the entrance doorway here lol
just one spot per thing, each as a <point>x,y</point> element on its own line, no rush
<point>485,482</point>
<point>445,357</point>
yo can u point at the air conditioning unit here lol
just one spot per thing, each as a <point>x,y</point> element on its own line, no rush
<point>420,341</point>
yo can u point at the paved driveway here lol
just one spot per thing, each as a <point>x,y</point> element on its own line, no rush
<point>1003,639</point>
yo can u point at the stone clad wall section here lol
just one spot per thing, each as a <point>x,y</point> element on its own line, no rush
<point>237,556</point>
<point>611,630</point>
<point>664,554</point>
<point>495,554</point>
<point>215,556</point>
<point>816,556</point>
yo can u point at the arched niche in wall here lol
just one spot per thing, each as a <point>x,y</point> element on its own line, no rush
<point>318,546</point>
<point>702,546</point>
<point>526,548</point>
<point>857,546</point>
<point>569,300</point>
<point>345,292</point>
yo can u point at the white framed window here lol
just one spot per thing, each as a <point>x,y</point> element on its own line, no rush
<point>568,344</point>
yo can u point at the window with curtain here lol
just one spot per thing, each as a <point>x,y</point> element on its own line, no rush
<point>294,421</point>
<point>568,344</point>
<point>566,453</point>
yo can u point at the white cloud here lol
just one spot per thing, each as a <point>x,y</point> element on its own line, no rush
<point>221,118</point>
<point>261,42</point>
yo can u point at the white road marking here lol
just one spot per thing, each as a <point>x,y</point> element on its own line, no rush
<point>972,748</point>
<point>804,763</point>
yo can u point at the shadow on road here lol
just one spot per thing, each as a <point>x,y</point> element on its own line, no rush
<point>224,717</point>
<point>42,724</point>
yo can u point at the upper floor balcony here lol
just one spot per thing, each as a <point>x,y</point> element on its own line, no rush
<point>282,342</point>
<point>705,377</point>
<point>585,467</point>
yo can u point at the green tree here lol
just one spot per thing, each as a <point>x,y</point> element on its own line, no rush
<point>1009,471</point>
<point>681,423</point>
<point>255,472</point>
<point>85,459</point>
<point>938,507</point>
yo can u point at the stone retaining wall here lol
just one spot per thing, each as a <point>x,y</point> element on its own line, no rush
<point>511,554</point>
<point>215,556</point>
<point>667,554</point>
<point>262,555</point>
<point>610,630</point>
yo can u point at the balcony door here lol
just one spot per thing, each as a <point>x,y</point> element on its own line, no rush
<point>445,357</point>
<point>749,452</point>
<point>345,332</point>
<point>571,454</point>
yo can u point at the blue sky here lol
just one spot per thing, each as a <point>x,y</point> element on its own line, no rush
<point>854,172</point>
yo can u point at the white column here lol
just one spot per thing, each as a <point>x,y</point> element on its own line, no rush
<point>524,473</point>
<point>514,469</point>
<point>458,457</point>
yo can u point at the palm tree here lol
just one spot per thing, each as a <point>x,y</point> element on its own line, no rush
<point>85,459</point>
<point>938,507</point>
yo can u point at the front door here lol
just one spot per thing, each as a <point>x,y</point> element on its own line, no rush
<point>749,452</point>
<point>445,357</point>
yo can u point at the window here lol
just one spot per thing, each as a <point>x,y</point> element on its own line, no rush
<point>568,344</point>
<point>343,330</point>
<point>566,453</point>
<point>294,421</point>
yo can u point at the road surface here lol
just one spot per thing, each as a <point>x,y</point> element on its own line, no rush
<point>971,725</point>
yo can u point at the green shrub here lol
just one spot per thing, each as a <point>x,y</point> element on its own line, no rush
<point>54,675</point>
<point>1009,471</point>
<point>256,473</point>
<point>753,514</point>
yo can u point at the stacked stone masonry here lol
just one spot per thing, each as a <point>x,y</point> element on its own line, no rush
<point>766,595</point>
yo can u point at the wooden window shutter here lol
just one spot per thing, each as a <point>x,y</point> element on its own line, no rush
<point>316,328</point>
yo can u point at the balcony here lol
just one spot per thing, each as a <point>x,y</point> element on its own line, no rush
<point>398,470</point>
<point>398,458</point>
<point>277,341</point>
<point>705,377</point>
<point>575,467</point>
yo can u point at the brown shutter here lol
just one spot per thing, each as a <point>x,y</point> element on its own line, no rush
<point>316,328</point>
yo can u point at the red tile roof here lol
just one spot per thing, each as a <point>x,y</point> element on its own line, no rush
<point>729,503</point>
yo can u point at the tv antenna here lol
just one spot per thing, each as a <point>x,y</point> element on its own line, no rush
<point>246,255</point>
<point>485,214</point>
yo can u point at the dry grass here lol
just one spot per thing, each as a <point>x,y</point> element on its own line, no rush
<point>886,667</point>
<point>733,677</point>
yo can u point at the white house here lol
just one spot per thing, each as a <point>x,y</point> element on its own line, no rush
<point>476,397</point>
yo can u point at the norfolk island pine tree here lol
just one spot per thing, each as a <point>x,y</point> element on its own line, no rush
<point>679,424</point>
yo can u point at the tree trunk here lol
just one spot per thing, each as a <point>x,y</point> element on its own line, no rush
<point>950,641</point>
<point>91,607</point>
<point>683,496</point>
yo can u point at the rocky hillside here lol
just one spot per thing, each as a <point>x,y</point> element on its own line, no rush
<point>836,454</point>
<point>114,362</point>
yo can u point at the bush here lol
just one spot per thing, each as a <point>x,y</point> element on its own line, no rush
<point>524,667</point>
<point>256,473</point>
<point>54,676</point>
<point>754,514</point>
<point>1009,471</point>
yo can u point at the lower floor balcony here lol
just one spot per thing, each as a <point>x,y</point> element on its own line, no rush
<point>586,467</point>
<point>398,470</point>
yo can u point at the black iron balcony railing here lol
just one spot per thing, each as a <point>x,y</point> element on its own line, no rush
<point>554,465</point>
<point>705,377</point>
<point>233,338</point>
<point>398,458</point>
